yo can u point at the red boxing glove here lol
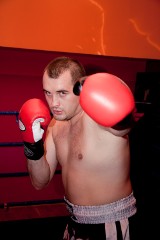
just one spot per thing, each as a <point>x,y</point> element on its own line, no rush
<point>34,117</point>
<point>106,99</point>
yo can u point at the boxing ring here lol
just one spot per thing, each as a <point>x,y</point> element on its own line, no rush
<point>15,185</point>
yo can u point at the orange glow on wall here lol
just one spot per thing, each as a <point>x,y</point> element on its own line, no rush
<point>102,27</point>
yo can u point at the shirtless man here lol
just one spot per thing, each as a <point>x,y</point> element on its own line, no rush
<point>88,137</point>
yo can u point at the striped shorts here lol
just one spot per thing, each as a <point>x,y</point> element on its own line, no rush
<point>104,222</point>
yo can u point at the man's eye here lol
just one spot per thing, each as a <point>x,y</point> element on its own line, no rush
<point>47,93</point>
<point>62,93</point>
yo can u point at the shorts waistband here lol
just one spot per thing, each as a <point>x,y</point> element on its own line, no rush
<point>115,211</point>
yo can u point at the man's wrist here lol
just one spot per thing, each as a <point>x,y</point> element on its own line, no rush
<point>34,151</point>
<point>127,122</point>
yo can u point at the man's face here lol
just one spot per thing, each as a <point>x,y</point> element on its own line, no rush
<point>63,103</point>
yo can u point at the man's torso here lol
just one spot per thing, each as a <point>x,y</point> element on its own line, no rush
<point>95,163</point>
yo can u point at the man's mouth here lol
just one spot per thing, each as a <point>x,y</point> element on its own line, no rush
<point>57,112</point>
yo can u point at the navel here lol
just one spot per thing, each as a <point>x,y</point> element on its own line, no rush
<point>80,156</point>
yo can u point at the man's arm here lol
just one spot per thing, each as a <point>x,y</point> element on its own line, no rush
<point>42,171</point>
<point>123,127</point>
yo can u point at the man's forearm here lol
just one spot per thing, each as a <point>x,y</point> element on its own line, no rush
<point>39,172</point>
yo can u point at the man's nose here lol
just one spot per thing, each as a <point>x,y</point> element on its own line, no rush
<point>55,101</point>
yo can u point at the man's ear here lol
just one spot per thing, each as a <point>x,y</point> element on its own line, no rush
<point>78,86</point>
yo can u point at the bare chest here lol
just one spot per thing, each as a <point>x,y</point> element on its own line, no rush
<point>85,146</point>
<point>69,143</point>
